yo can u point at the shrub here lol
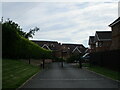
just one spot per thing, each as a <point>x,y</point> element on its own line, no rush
<point>74,57</point>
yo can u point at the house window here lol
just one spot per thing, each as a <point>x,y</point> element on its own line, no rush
<point>100,44</point>
<point>96,44</point>
<point>68,48</point>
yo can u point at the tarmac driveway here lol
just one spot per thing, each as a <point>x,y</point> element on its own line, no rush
<point>69,77</point>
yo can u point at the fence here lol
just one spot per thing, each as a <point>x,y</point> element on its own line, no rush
<point>108,59</point>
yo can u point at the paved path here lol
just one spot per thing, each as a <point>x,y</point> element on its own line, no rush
<point>69,77</point>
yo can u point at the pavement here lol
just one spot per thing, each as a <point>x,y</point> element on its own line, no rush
<point>69,77</point>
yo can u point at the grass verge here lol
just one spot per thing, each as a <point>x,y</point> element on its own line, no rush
<point>102,70</point>
<point>106,72</point>
<point>15,73</point>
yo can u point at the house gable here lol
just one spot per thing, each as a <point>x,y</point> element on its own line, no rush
<point>115,22</point>
<point>103,40</point>
<point>91,40</point>
<point>46,46</point>
<point>103,36</point>
<point>115,26</point>
<point>76,49</point>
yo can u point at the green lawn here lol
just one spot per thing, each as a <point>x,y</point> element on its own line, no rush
<point>85,64</point>
<point>106,72</point>
<point>16,72</point>
<point>102,70</point>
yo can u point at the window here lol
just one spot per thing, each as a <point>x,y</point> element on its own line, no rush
<point>96,44</point>
<point>100,44</point>
<point>68,48</point>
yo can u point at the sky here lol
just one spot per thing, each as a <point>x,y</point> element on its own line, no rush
<point>65,22</point>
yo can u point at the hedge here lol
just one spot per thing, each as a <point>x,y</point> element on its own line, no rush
<point>17,47</point>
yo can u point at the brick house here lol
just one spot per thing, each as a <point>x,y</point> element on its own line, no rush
<point>50,45</point>
<point>71,49</point>
<point>91,44</point>
<point>115,26</point>
<point>61,50</point>
<point>103,40</point>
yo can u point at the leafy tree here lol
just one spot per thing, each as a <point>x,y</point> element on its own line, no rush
<point>20,31</point>
<point>31,32</point>
<point>74,57</point>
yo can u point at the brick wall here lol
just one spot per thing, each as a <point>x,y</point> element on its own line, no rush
<point>105,46</point>
<point>92,48</point>
<point>115,37</point>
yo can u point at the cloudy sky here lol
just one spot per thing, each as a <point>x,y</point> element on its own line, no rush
<point>65,22</point>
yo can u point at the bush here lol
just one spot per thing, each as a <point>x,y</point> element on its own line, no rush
<point>74,57</point>
<point>57,59</point>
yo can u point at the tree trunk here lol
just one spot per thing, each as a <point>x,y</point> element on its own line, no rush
<point>80,63</point>
<point>43,63</point>
<point>29,60</point>
<point>62,63</point>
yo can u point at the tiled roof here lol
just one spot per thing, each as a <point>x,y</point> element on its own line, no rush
<point>103,35</point>
<point>74,47</point>
<point>53,45</point>
<point>50,45</point>
<point>115,22</point>
<point>91,40</point>
<point>44,41</point>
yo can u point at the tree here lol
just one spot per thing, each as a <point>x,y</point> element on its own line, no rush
<point>31,32</point>
<point>15,46</point>
<point>74,57</point>
<point>19,30</point>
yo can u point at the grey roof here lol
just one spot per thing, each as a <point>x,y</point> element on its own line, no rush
<point>91,40</point>
<point>115,22</point>
<point>54,45</point>
<point>50,45</point>
<point>103,35</point>
<point>73,44</point>
<point>44,41</point>
<point>74,47</point>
